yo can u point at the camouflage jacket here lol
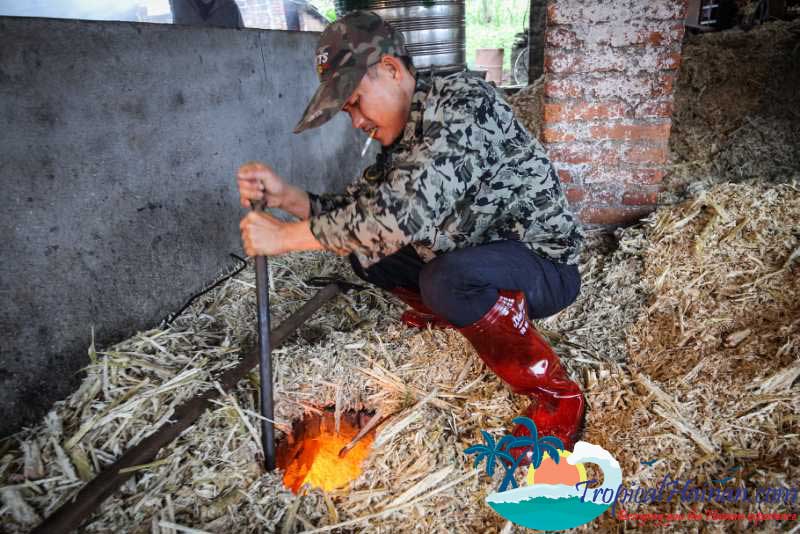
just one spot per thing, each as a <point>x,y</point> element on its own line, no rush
<point>464,172</point>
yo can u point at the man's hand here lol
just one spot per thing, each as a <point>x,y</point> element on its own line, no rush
<point>262,234</point>
<point>258,182</point>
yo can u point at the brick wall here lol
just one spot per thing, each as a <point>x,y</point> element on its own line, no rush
<point>610,69</point>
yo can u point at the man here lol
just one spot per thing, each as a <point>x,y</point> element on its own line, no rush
<point>461,216</point>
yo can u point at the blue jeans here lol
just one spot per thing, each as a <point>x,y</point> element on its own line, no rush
<point>462,285</point>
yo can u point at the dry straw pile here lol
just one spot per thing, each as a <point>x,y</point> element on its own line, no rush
<point>709,386</point>
<point>527,105</point>
<point>690,360</point>
<point>736,115</point>
<point>353,354</point>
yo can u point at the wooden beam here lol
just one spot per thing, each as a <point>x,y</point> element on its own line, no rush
<point>536,26</point>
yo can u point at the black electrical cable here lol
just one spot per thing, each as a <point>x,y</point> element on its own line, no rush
<point>317,281</point>
<point>344,286</point>
<point>171,317</point>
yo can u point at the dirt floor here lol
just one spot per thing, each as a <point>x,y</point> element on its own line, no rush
<point>686,339</point>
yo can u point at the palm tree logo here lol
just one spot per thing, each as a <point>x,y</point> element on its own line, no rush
<point>551,498</point>
<point>500,452</point>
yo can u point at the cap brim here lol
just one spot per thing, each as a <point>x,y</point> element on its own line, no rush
<point>329,98</point>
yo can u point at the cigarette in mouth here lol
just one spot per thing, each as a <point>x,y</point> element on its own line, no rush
<point>369,140</point>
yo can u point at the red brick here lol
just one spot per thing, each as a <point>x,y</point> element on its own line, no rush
<point>668,60</point>
<point>616,34</point>
<point>646,154</point>
<point>672,34</point>
<point>562,89</point>
<point>639,197</point>
<point>552,112</point>
<point>601,174</point>
<point>562,62</point>
<point>631,132</point>
<point>661,109</point>
<point>608,86</point>
<point>653,38</point>
<point>583,111</point>
<point>569,12</point>
<point>602,194</point>
<point>561,37</point>
<point>663,84</point>
<point>661,34</point>
<point>574,194</point>
<point>553,15</point>
<point>565,177</point>
<point>612,215</point>
<point>600,110</point>
<point>605,58</point>
<point>577,153</point>
<point>644,176</point>
<point>556,135</point>
<point>663,10</point>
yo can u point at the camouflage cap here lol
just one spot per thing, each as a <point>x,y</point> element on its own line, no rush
<point>347,48</point>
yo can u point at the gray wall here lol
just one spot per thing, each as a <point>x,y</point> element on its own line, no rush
<point>118,147</point>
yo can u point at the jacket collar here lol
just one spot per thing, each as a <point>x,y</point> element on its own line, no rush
<point>413,127</point>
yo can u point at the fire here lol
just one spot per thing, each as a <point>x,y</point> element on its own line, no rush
<point>311,454</point>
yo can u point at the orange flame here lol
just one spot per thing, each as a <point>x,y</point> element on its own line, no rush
<point>313,457</point>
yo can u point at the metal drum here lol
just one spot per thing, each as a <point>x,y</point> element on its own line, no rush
<point>433,29</point>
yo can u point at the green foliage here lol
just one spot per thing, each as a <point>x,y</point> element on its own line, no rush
<point>326,7</point>
<point>493,24</point>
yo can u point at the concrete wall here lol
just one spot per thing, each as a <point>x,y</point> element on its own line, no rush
<point>118,148</point>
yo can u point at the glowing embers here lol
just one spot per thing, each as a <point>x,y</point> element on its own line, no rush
<point>311,454</point>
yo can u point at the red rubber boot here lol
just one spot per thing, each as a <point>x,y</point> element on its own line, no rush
<point>511,347</point>
<point>419,316</point>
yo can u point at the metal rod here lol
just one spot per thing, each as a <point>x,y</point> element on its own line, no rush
<point>265,364</point>
<point>264,356</point>
<point>376,419</point>
<point>72,513</point>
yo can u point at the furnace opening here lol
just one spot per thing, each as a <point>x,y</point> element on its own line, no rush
<point>310,455</point>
